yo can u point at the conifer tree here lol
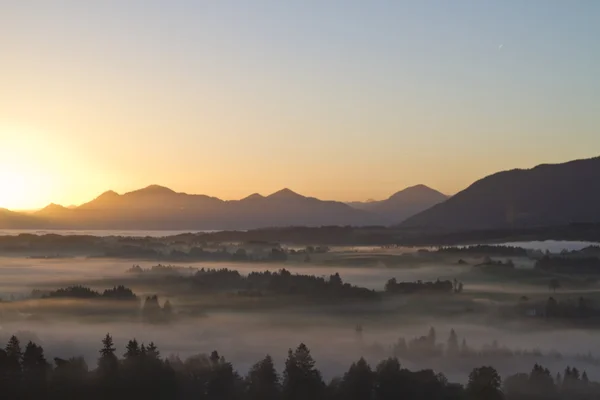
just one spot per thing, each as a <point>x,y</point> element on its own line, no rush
<point>262,380</point>
<point>108,363</point>
<point>301,380</point>
<point>358,382</point>
<point>452,346</point>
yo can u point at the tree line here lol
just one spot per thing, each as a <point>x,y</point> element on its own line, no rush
<point>119,292</point>
<point>429,347</point>
<point>484,249</point>
<point>206,280</point>
<point>142,373</point>
<point>437,286</point>
<point>569,265</point>
<point>281,282</point>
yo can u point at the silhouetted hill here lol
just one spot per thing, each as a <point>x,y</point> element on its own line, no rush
<point>285,194</point>
<point>253,197</point>
<point>14,220</point>
<point>52,210</point>
<point>286,207</point>
<point>549,194</point>
<point>157,207</point>
<point>403,204</point>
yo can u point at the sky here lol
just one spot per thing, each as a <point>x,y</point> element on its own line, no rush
<point>342,100</point>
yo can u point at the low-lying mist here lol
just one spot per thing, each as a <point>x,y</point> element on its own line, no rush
<point>21,274</point>
<point>329,330</point>
<point>244,338</point>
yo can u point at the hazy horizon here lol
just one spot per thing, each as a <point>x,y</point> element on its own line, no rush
<point>343,101</point>
<point>366,198</point>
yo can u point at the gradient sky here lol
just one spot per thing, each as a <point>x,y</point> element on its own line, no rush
<point>343,100</point>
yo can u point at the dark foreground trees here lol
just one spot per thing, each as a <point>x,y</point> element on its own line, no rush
<point>484,383</point>
<point>142,373</point>
<point>301,380</point>
<point>262,381</point>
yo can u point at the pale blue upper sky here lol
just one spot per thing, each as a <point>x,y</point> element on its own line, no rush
<point>337,99</point>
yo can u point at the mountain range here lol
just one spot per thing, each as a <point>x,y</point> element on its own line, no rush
<point>158,207</point>
<point>549,194</point>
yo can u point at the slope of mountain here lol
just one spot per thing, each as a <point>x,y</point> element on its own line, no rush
<point>157,207</point>
<point>549,194</point>
<point>403,204</point>
<point>14,220</point>
<point>152,198</point>
<point>285,208</point>
<point>52,210</point>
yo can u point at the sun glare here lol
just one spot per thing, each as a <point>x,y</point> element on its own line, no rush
<point>24,172</point>
<point>15,193</point>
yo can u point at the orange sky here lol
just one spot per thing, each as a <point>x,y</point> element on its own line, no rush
<point>332,101</point>
<point>38,168</point>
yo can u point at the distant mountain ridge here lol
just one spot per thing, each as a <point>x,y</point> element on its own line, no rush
<point>548,194</point>
<point>158,207</point>
<point>14,220</point>
<point>403,204</point>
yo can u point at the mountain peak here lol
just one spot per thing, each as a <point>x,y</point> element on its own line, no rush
<point>53,207</point>
<point>254,196</point>
<point>154,189</point>
<point>417,190</point>
<point>285,194</point>
<point>403,204</point>
<point>108,197</point>
<point>420,186</point>
<point>108,194</point>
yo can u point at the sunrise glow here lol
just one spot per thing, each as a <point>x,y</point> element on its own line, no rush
<point>289,97</point>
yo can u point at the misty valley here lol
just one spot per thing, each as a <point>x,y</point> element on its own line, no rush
<point>451,309</point>
<point>299,200</point>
